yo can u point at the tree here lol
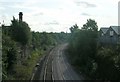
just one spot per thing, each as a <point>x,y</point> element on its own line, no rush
<point>74,28</point>
<point>82,47</point>
<point>20,32</point>
<point>9,55</point>
<point>90,25</point>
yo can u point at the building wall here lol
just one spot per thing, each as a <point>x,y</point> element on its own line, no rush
<point>111,39</point>
<point>106,39</point>
<point>102,38</point>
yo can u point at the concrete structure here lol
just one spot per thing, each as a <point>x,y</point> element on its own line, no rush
<point>119,13</point>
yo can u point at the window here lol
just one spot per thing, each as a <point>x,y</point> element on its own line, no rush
<point>102,34</point>
<point>111,33</point>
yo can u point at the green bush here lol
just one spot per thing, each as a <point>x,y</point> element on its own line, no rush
<point>106,64</point>
<point>9,55</point>
<point>24,71</point>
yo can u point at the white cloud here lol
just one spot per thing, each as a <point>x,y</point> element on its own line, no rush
<point>85,4</point>
<point>85,14</point>
<point>59,15</point>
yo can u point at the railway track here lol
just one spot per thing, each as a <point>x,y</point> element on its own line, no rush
<point>43,72</point>
<point>54,66</point>
<point>48,68</point>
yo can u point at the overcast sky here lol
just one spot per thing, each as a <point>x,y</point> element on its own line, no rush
<point>60,15</point>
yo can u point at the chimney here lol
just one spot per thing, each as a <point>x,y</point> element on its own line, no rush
<point>20,16</point>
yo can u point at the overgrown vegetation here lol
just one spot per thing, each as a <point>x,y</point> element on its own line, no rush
<point>21,49</point>
<point>93,61</point>
<point>108,63</point>
<point>24,71</point>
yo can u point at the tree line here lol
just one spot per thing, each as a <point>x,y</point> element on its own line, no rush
<point>20,47</point>
<point>92,60</point>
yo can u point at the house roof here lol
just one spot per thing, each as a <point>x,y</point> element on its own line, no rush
<point>104,29</point>
<point>116,29</point>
